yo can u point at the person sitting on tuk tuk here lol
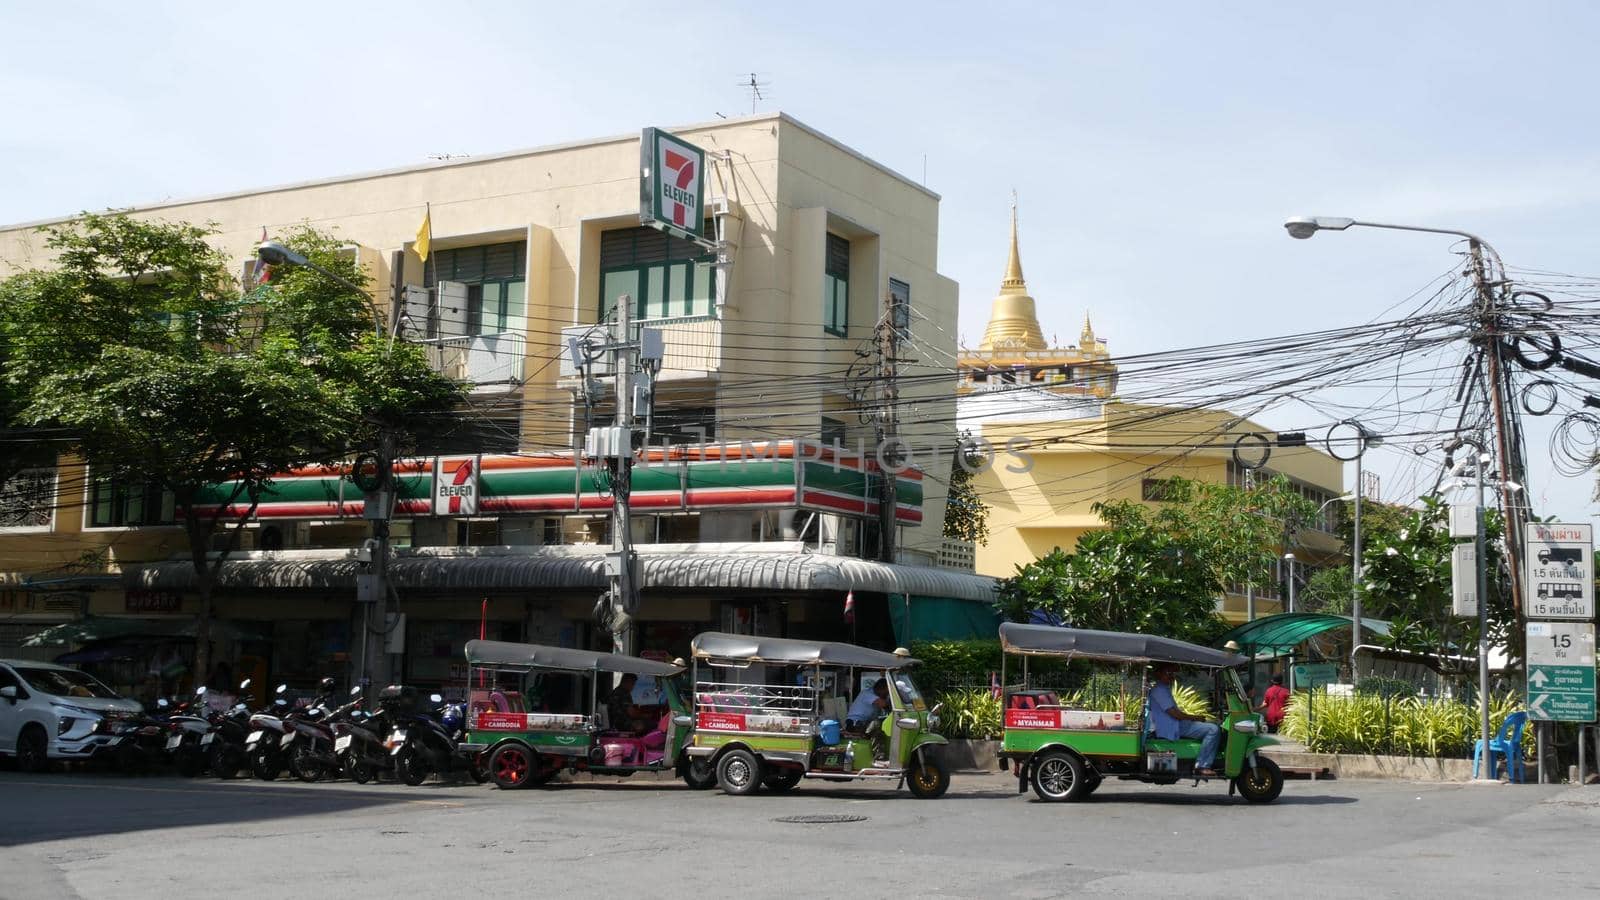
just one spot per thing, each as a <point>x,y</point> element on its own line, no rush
<point>621,712</point>
<point>1169,723</point>
<point>866,716</point>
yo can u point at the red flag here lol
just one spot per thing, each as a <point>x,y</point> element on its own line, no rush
<point>850,606</point>
<point>994,684</point>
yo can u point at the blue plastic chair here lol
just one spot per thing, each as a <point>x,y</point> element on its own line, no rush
<point>1508,744</point>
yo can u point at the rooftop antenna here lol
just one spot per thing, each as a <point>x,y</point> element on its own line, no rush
<point>754,85</point>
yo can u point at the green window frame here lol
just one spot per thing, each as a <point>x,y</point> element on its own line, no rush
<point>497,283</point>
<point>836,286</point>
<point>667,277</point>
<point>116,505</point>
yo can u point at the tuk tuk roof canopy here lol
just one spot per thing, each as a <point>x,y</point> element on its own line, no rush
<point>714,645</point>
<point>537,656</point>
<point>1279,635</point>
<point>1049,640</point>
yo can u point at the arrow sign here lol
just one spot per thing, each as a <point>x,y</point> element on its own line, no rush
<point>1537,705</point>
<point>1538,679</point>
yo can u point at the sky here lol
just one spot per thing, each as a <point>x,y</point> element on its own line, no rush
<point>1155,148</point>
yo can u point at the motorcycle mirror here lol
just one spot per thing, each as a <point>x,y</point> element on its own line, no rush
<point>161,702</point>
<point>200,691</point>
<point>244,684</point>
<point>436,698</point>
<point>355,690</point>
<point>281,702</point>
<point>282,688</point>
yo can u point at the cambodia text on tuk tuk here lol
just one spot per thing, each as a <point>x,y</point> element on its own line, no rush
<point>1065,753</point>
<point>529,746</point>
<point>771,711</point>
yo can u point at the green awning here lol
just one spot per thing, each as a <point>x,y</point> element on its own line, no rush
<point>1279,635</point>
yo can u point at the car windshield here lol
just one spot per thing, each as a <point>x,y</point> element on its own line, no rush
<point>65,683</point>
<point>908,691</point>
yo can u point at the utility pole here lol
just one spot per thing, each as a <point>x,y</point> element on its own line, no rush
<point>888,427</point>
<point>612,447</point>
<point>1489,335</point>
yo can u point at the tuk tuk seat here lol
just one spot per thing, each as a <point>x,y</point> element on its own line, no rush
<point>1032,700</point>
<point>1184,747</point>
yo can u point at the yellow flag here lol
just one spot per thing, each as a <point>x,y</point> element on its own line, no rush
<point>425,234</point>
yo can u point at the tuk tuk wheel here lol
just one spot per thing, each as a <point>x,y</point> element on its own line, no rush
<point>699,774</point>
<point>479,766</point>
<point>782,780</point>
<point>739,773</point>
<point>1262,784</point>
<point>928,778</point>
<point>511,767</point>
<point>1059,776</point>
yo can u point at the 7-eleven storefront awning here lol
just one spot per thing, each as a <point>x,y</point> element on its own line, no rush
<point>702,477</point>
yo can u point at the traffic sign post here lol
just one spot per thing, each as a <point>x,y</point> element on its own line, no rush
<point>1558,571</point>
<point>1561,671</point>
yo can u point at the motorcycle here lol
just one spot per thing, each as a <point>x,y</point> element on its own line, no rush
<point>224,744</point>
<point>264,745</point>
<point>310,741</point>
<point>359,744</point>
<point>424,740</point>
<point>186,730</point>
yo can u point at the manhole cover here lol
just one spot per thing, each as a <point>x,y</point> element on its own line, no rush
<point>819,820</point>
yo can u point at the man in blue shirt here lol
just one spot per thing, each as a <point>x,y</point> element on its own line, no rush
<point>1169,723</point>
<point>866,717</point>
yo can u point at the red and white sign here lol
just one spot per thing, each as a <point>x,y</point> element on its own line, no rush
<point>720,721</point>
<point>491,720</point>
<point>455,486</point>
<point>1033,718</point>
<point>672,184</point>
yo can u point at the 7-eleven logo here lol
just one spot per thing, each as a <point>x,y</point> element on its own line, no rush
<point>680,167</point>
<point>455,487</point>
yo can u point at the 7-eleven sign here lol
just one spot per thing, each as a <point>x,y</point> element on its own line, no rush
<point>671,184</point>
<point>455,486</point>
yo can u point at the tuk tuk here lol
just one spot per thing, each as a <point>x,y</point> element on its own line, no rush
<point>1066,752</point>
<point>771,711</point>
<point>526,745</point>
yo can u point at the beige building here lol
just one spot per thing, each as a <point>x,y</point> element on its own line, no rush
<point>1076,445</point>
<point>765,328</point>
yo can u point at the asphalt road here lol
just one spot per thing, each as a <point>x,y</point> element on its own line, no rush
<point>106,836</point>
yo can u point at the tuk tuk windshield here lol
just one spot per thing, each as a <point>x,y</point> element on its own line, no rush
<point>908,691</point>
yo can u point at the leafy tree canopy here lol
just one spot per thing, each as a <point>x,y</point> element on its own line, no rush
<point>1161,570</point>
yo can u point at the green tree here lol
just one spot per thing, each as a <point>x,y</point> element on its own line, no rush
<point>1160,571</point>
<point>140,343</point>
<point>966,516</point>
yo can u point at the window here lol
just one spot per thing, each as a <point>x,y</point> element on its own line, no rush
<point>900,308</point>
<point>28,500</point>
<point>836,286</point>
<point>113,505</point>
<point>496,281</point>
<point>666,276</point>
<point>1156,490</point>
<point>833,431</point>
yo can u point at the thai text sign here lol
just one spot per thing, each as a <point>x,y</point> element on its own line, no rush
<point>1558,580</point>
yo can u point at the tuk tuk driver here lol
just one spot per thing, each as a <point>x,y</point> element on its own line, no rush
<point>1169,723</point>
<point>866,716</point>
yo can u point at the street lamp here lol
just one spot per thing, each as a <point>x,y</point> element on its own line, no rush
<point>275,254</point>
<point>378,501</point>
<point>1303,227</point>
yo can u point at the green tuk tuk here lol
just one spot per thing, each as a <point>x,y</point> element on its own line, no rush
<point>1065,752</point>
<point>526,746</point>
<point>771,711</point>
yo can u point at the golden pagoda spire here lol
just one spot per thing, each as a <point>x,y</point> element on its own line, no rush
<point>1013,323</point>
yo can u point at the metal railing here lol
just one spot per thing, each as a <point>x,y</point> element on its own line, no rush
<point>482,360</point>
<point>690,345</point>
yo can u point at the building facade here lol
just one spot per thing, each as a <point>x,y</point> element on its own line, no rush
<point>759,514</point>
<point>1077,445</point>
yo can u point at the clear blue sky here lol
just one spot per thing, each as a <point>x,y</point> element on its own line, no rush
<point>1156,147</point>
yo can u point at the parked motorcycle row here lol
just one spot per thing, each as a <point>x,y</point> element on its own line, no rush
<point>407,738</point>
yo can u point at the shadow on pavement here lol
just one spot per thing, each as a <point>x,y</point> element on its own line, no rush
<point>1220,798</point>
<point>55,807</point>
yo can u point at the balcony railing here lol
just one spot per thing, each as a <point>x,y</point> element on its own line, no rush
<point>692,346</point>
<point>486,361</point>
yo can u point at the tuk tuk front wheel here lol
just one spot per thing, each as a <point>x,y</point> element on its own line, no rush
<point>1059,776</point>
<point>928,778</point>
<point>1261,784</point>
<point>739,773</point>
<point>699,774</point>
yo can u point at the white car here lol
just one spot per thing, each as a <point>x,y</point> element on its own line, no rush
<point>50,712</point>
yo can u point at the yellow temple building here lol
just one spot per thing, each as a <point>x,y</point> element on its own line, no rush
<point>1083,446</point>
